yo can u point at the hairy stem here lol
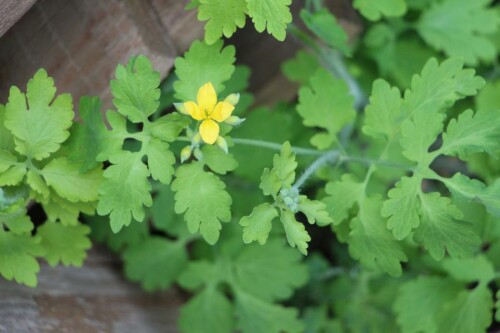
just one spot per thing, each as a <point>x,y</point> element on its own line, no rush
<point>329,157</point>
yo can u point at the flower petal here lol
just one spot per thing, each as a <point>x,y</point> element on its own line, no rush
<point>207,97</point>
<point>209,131</point>
<point>194,111</point>
<point>222,111</point>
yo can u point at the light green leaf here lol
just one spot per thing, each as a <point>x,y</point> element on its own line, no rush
<point>472,133</point>
<point>375,10</point>
<point>203,199</point>
<point>403,207</point>
<point>314,210</point>
<point>90,138</point>
<point>13,176</point>
<point>327,104</point>
<point>477,269</point>
<point>201,64</point>
<point>168,127</point>
<point>217,160</point>
<point>470,311</point>
<point>371,243</point>
<point>439,85</point>
<point>442,230</point>
<point>301,68</point>
<point>160,161</point>
<point>472,189</point>
<point>155,262</point>
<point>271,14</point>
<point>296,233</point>
<point>419,133</point>
<point>67,180</point>
<point>208,312</point>
<point>325,26</point>
<point>423,297</point>
<point>224,17</point>
<point>383,111</point>
<point>257,225</point>
<point>257,316</point>
<point>135,90</point>
<point>125,190</point>
<point>17,257</point>
<point>342,195</point>
<point>270,272</point>
<point>460,28</point>
<point>282,175</point>
<point>65,244</point>
<point>7,160</point>
<point>38,126</point>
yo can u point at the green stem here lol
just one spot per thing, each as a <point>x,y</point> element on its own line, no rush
<point>328,157</point>
<point>268,145</point>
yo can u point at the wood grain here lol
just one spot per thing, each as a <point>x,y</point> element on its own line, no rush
<point>92,299</point>
<point>11,11</point>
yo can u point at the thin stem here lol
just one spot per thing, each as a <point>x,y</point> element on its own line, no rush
<point>329,157</point>
<point>268,145</point>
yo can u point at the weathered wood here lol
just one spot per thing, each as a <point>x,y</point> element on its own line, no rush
<point>92,299</point>
<point>81,42</point>
<point>11,11</point>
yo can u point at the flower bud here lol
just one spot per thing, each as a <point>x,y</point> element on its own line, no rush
<point>196,139</point>
<point>185,153</point>
<point>221,142</point>
<point>234,120</point>
<point>181,108</point>
<point>198,154</point>
<point>233,99</point>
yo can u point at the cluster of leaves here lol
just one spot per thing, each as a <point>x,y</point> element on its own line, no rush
<point>35,165</point>
<point>224,17</point>
<point>408,175</point>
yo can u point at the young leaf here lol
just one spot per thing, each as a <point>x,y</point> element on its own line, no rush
<point>203,199</point>
<point>326,27</point>
<point>326,104</point>
<point>224,17</point>
<point>203,63</point>
<point>371,243</point>
<point>40,129</point>
<point>374,10</point>
<point>403,207</point>
<point>65,244</point>
<point>423,297</point>
<point>460,28</point>
<point>125,190</point>
<point>135,89</point>
<point>470,311</point>
<point>217,160</point>
<point>17,257</point>
<point>342,195</point>
<point>155,262</point>
<point>472,133</point>
<point>296,233</point>
<point>208,312</point>
<point>314,210</point>
<point>273,14</point>
<point>442,230</point>
<point>383,111</point>
<point>67,180</point>
<point>257,225</point>
<point>271,272</point>
<point>257,316</point>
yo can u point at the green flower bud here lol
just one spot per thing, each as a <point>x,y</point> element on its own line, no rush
<point>234,120</point>
<point>185,153</point>
<point>233,99</point>
<point>221,142</point>
<point>180,107</point>
<point>198,154</point>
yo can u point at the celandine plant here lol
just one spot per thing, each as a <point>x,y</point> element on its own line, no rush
<point>371,204</point>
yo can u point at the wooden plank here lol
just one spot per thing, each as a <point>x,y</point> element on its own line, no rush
<point>92,299</point>
<point>11,11</point>
<point>80,42</point>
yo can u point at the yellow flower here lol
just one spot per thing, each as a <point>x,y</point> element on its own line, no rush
<point>209,112</point>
